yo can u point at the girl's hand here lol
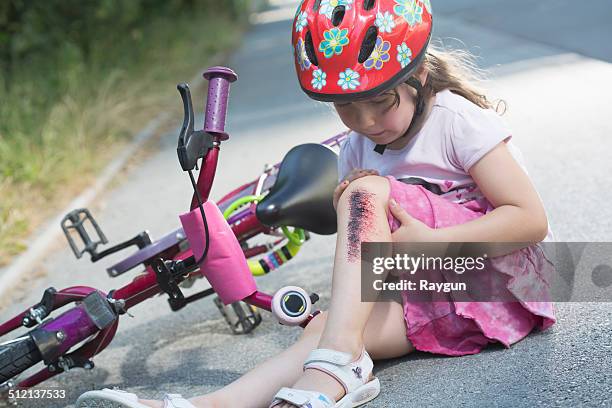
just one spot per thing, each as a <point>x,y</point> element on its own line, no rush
<point>411,229</point>
<point>353,175</point>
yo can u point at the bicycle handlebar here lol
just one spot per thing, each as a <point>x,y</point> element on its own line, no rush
<point>219,79</point>
<point>193,145</point>
<point>204,144</point>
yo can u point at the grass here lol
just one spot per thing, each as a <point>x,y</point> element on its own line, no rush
<point>60,124</point>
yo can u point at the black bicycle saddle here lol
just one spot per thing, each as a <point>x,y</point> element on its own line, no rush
<point>302,195</point>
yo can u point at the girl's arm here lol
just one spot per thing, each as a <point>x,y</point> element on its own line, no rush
<point>518,216</point>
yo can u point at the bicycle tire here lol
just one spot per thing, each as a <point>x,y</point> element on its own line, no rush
<point>17,357</point>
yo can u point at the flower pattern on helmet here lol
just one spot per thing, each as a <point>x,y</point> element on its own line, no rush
<point>297,10</point>
<point>402,28</point>
<point>404,54</point>
<point>379,55</point>
<point>300,21</point>
<point>300,54</point>
<point>335,41</point>
<point>318,79</point>
<point>349,79</point>
<point>385,22</point>
<point>410,10</point>
<point>327,6</point>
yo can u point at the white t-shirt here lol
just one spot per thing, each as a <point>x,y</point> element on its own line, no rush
<point>455,136</point>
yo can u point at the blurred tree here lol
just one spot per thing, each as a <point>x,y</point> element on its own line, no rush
<point>37,30</point>
<point>11,16</point>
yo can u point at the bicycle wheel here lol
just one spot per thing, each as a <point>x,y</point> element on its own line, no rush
<point>17,356</point>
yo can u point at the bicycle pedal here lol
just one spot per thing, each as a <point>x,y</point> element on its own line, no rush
<point>83,223</point>
<point>241,317</point>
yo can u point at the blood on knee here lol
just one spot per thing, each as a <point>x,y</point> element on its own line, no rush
<point>361,215</point>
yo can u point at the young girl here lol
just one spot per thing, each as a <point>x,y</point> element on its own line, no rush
<point>427,160</point>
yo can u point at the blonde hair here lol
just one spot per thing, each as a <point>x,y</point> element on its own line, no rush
<point>455,70</point>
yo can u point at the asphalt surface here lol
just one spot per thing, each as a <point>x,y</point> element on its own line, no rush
<point>550,61</point>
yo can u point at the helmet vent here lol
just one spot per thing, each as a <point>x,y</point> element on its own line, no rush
<point>316,5</point>
<point>310,51</point>
<point>368,44</point>
<point>338,15</point>
<point>368,4</point>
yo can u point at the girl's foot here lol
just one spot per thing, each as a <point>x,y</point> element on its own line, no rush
<point>119,398</point>
<point>315,380</point>
<point>330,374</point>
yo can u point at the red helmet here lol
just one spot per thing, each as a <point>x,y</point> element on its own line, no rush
<point>352,49</point>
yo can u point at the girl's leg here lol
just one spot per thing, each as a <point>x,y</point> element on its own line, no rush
<point>362,216</point>
<point>257,387</point>
<point>385,337</point>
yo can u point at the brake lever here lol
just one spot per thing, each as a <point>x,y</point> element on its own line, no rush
<point>188,119</point>
<point>192,144</point>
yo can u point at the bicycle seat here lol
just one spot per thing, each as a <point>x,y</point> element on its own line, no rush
<point>302,195</point>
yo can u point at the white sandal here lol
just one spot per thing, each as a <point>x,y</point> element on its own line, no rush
<point>353,375</point>
<point>107,398</point>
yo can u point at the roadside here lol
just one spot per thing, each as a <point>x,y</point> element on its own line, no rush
<point>56,138</point>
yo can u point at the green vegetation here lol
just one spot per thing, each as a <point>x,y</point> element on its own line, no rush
<point>78,78</point>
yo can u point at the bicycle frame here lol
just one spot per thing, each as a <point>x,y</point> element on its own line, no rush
<point>98,312</point>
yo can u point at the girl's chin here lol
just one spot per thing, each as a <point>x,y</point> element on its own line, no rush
<point>384,138</point>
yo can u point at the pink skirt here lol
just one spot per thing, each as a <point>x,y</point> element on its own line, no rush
<point>460,328</point>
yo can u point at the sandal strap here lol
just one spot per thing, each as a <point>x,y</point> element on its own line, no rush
<point>301,398</point>
<point>352,374</point>
<point>109,397</point>
<point>176,401</point>
<point>329,356</point>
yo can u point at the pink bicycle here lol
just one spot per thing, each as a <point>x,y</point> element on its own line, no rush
<point>214,242</point>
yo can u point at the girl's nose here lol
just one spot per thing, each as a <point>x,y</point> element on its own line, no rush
<point>366,118</point>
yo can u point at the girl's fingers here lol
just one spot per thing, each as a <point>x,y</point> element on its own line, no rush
<point>361,173</point>
<point>339,190</point>
<point>352,176</point>
<point>398,212</point>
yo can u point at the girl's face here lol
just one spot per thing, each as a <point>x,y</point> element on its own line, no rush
<point>379,118</point>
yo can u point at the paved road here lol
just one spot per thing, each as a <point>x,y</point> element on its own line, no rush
<point>550,62</point>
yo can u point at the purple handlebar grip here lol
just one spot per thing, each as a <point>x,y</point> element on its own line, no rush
<point>216,105</point>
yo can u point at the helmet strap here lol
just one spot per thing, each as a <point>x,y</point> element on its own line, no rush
<point>420,107</point>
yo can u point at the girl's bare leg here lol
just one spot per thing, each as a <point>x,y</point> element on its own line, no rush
<point>384,337</point>
<point>362,216</point>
